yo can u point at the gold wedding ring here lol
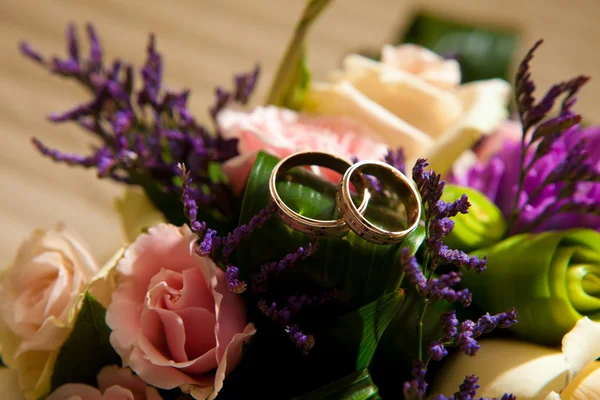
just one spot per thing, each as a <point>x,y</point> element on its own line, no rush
<point>305,224</point>
<point>401,186</point>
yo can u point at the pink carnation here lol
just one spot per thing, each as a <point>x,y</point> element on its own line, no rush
<point>173,321</point>
<point>282,132</point>
<point>114,383</point>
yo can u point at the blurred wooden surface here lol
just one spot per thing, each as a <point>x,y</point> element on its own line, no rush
<point>204,43</point>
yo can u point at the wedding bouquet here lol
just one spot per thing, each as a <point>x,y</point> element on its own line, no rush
<point>303,248</point>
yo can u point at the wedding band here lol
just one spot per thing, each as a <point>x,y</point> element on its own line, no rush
<point>305,224</point>
<point>400,184</point>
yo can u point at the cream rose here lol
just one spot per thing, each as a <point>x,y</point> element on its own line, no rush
<point>137,213</point>
<point>40,295</point>
<point>413,99</point>
<point>529,371</point>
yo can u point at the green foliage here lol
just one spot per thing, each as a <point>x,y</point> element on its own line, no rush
<point>484,224</point>
<point>293,77</point>
<point>551,279</point>
<point>87,349</point>
<point>357,386</point>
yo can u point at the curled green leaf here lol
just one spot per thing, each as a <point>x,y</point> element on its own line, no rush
<point>552,279</point>
<point>483,226</point>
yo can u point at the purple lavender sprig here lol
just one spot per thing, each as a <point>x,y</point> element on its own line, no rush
<point>540,133</point>
<point>144,134</point>
<point>437,216</point>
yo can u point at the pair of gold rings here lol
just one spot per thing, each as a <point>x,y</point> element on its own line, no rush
<point>351,215</point>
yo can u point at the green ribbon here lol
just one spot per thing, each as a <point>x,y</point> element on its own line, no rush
<point>481,227</point>
<point>552,279</point>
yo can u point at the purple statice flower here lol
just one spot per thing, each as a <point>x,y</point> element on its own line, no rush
<point>260,280</point>
<point>416,388</point>
<point>232,277</point>
<point>468,391</point>
<point>302,341</point>
<point>396,159</point>
<point>144,134</point>
<point>551,179</point>
<point>432,288</point>
<point>233,239</point>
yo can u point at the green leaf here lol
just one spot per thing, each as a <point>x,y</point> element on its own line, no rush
<point>87,349</point>
<point>292,77</point>
<point>483,52</point>
<point>356,386</point>
<point>344,344</point>
<point>551,279</point>
<point>359,270</point>
<point>484,224</point>
<point>392,362</point>
<point>292,96</point>
<point>354,336</point>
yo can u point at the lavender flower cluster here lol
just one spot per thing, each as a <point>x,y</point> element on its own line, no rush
<point>221,248</point>
<point>437,214</point>
<point>145,134</point>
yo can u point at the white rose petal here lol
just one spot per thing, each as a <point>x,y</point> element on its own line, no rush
<point>531,371</point>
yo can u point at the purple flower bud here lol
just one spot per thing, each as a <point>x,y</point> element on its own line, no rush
<point>437,351</point>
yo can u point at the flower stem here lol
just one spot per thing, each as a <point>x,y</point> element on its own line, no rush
<point>422,309</point>
<point>293,54</point>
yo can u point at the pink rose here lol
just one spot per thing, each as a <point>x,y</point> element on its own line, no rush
<point>173,321</point>
<point>282,132</point>
<point>114,383</point>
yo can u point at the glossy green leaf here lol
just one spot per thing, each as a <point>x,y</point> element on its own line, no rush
<point>551,278</point>
<point>481,227</point>
<point>397,349</point>
<point>292,77</point>
<point>87,349</point>
<point>359,270</point>
<point>357,386</point>
<point>344,344</point>
<point>483,52</point>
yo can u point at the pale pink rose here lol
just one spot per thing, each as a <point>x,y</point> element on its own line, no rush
<point>114,383</point>
<point>39,295</point>
<point>173,321</point>
<point>282,132</point>
<point>423,63</point>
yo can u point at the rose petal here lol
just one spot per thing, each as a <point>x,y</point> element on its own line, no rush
<point>344,99</point>
<point>411,99</point>
<point>77,391</point>
<point>423,63</point>
<point>231,357</point>
<point>502,366</point>
<point>586,385</point>
<point>199,331</point>
<point>164,377</point>
<point>577,355</point>
<point>230,312</point>
<point>484,103</point>
<point>117,393</point>
<point>123,317</point>
<point>9,384</point>
<point>195,291</point>
<point>113,375</point>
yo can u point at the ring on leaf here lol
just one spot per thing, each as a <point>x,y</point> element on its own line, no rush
<point>300,222</point>
<point>401,186</point>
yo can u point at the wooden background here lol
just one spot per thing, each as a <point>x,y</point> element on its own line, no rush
<point>204,42</point>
